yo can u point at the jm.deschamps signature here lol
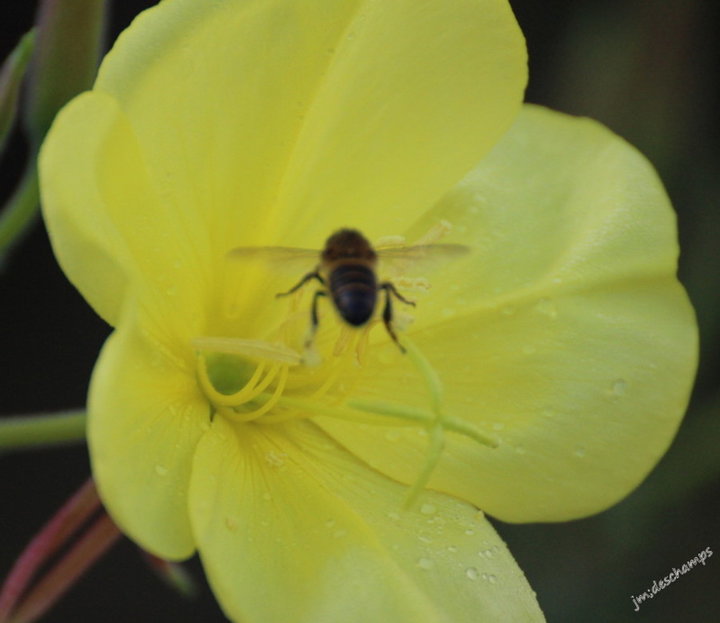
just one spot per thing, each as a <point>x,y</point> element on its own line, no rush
<point>659,585</point>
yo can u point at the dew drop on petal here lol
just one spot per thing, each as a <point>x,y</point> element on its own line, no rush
<point>579,452</point>
<point>491,578</point>
<point>472,573</point>
<point>161,470</point>
<point>425,563</point>
<point>469,531</point>
<point>392,435</point>
<point>546,307</point>
<point>452,549</point>
<point>428,509</point>
<point>618,387</point>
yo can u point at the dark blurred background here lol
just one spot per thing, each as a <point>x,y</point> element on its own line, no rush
<point>645,68</point>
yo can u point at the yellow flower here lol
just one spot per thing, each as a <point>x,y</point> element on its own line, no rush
<point>563,335</point>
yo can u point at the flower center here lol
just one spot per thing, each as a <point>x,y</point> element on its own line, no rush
<point>269,383</point>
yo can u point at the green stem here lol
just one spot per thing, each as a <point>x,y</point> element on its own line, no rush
<point>22,432</point>
<point>20,210</point>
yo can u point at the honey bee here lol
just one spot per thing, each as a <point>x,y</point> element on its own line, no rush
<point>347,272</point>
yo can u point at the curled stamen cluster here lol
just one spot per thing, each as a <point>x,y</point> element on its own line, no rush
<point>272,394</point>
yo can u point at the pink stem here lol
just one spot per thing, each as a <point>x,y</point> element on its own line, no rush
<point>172,574</point>
<point>89,547</point>
<point>66,522</point>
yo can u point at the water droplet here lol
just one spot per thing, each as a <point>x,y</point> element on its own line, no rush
<point>424,538</point>
<point>393,515</point>
<point>338,534</point>
<point>618,387</point>
<point>161,470</point>
<point>448,312</point>
<point>485,553</point>
<point>231,523</point>
<point>579,452</point>
<point>452,549</point>
<point>484,576</point>
<point>498,426</point>
<point>392,435</point>
<point>425,563</point>
<point>469,531</point>
<point>472,573</point>
<point>546,307</point>
<point>330,523</point>
<point>275,459</point>
<point>428,509</point>
<point>491,578</point>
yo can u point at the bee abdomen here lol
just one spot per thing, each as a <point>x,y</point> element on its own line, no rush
<point>354,292</point>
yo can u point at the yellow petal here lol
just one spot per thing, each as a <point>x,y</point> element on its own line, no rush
<point>145,418</point>
<point>271,122</point>
<point>291,528</point>
<point>84,240</point>
<point>565,333</point>
<point>109,227</point>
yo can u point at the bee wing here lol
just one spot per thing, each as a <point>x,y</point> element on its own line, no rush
<point>419,259</point>
<point>287,259</point>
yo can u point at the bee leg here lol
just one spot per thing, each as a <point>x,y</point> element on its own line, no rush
<point>312,275</point>
<point>388,312</point>
<point>389,287</point>
<point>315,321</point>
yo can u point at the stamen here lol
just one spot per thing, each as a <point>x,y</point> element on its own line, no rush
<point>437,445</point>
<point>346,335</point>
<point>419,416</point>
<point>433,381</point>
<point>250,390</point>
<point>254,349</point>
<point>249,416</point>
<point>390,241</point>
<point>435,233</point>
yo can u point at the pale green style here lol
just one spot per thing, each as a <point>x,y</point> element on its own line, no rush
<point>553,361</point>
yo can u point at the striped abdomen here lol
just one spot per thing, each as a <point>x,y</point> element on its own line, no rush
<point>354,291</point>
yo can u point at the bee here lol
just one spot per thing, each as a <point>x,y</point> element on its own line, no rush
<point>347,273</point>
